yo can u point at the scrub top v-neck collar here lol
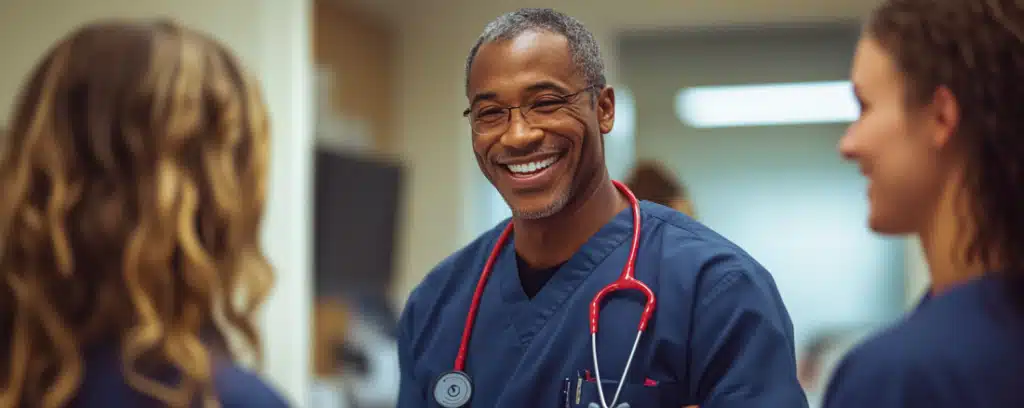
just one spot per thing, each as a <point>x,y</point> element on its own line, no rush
<point>529,315</point>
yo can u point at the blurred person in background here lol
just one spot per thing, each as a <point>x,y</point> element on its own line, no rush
<point>654,182</point>
<point>940,138</point>
<point>817,361</point>
<point>133,177</point>
<point>539,107</point>
<point>811,366</point>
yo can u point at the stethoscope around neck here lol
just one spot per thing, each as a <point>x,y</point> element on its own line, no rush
<point>454,389</point>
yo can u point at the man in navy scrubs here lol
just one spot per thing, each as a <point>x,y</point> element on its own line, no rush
<point>720,335</point>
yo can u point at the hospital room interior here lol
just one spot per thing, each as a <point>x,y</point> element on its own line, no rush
<point>373,181</point>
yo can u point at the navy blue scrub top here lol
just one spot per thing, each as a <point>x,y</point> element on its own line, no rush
<point>962,348</point>
<point>105,386</point>
<point>720,335</point>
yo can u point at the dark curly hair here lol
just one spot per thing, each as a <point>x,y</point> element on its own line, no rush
<point>653,182</point>
<point>974,48</point>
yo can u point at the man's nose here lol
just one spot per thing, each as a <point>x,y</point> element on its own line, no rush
<point>520,134</point>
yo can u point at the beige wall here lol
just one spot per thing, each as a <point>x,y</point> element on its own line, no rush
<point>359,51</point>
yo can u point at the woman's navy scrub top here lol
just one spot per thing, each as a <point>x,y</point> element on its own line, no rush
<point>962,348</point>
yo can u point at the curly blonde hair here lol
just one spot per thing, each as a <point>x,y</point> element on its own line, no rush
<point>133,179</point>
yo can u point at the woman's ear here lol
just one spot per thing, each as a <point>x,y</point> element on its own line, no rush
<point>945,117</point>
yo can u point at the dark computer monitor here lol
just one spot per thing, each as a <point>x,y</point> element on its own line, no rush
<point>357,201</point>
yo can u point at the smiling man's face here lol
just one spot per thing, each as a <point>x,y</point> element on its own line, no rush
<point>550,148</point>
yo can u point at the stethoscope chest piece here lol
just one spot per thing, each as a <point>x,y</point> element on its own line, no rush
<point>453,389</point>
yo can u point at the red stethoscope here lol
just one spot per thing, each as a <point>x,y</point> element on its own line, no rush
<point>454,389</point>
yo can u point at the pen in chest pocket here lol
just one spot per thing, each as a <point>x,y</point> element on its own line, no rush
<point>572,389</point>
<point>566,386</point>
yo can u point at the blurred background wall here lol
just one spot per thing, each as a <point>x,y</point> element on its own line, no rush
<point>376,87</point>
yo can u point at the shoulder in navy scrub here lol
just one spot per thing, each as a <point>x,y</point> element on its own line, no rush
<point>940,139</point>
<point>511,321</point>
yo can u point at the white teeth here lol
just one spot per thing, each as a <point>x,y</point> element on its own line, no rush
<point>532,167</point>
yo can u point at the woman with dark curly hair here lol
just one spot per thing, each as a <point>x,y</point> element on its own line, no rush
<point>654,182</point>
<point>133,180</point>
<point>941,140</point>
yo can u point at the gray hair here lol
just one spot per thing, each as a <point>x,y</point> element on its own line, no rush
<point>583,48</point>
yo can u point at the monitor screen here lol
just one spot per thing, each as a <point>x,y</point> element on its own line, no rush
<point>355,222</point>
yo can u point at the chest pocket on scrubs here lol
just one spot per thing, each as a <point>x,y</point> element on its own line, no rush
<point>662,395</point>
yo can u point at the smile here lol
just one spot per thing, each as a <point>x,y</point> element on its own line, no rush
<point>531,167</point>
<point>535,175</point>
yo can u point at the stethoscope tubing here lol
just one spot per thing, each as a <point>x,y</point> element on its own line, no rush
<point>626,281</point>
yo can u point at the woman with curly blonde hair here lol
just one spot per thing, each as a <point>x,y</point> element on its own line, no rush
<point>133,180</point>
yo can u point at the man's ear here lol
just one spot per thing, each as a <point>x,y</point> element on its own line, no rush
<point>606,109</point>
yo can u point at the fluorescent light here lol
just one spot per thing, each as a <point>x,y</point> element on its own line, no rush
<point>767,104</point>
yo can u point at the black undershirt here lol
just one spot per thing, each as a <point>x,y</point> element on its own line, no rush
<point>534,279</point>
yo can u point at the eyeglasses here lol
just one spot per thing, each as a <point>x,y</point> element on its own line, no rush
<point>543,111</point>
